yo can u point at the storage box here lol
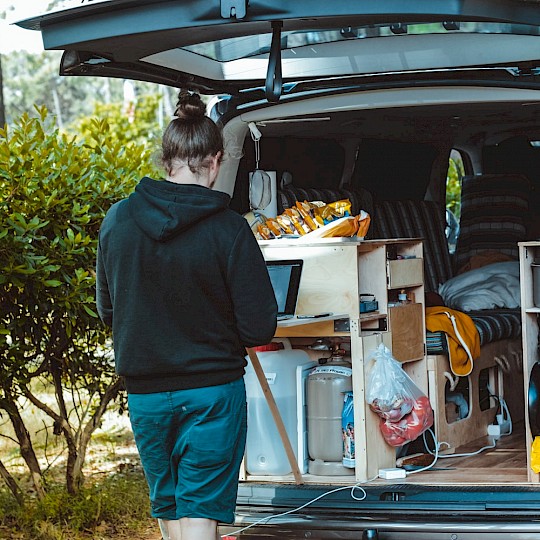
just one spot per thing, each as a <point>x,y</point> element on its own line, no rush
<point>367,306</point>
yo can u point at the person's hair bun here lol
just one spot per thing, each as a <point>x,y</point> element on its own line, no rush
<point>189,106</point>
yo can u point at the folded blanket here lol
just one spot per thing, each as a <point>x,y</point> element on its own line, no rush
<point>463,338</point>
<point>489,287</point>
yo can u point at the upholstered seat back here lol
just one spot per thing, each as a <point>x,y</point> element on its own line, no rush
<point>494,210</point>
<point>418,219</point>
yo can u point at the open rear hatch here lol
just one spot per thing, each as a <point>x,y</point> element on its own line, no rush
<point>228,46</point>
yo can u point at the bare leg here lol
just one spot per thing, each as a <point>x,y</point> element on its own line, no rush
<point>170,529</point>
<point>198,529</point>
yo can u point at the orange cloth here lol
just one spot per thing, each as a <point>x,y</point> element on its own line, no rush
<point>461,333</point>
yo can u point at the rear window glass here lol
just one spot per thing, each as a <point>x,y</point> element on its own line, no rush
<point>226,50</point>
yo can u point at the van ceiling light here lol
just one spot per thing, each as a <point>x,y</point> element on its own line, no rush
<point>450,25</point>
<point>536,144</point>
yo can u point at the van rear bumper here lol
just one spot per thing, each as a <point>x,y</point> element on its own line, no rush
<point>322,529</point>
<point>396,512</point>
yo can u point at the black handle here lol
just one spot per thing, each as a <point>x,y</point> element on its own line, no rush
<point>274,77</point>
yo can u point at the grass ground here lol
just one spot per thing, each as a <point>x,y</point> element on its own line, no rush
<point>114,505</point>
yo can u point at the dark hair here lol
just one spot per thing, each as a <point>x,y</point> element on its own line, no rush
<point>191,137</point>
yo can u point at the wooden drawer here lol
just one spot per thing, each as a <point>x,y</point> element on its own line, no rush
<point>405,273</point>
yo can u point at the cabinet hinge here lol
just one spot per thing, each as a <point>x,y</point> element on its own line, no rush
<point>233,9</point>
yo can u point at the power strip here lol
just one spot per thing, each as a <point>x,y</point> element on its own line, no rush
<point>392,473</point>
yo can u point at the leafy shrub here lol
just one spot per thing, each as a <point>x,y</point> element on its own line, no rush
<point>54,192</point>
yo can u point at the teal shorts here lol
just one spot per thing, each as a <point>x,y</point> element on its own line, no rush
<point>191,443</point>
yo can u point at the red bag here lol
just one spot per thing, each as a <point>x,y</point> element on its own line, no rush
<point>404,410</point>
<point>411,426</point>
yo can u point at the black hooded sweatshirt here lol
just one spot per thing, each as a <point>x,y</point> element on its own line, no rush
<point>182,281</point>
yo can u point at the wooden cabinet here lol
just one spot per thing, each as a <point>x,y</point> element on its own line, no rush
<point>386,269</point>
<point>529,252</point>
<point>336,272</point>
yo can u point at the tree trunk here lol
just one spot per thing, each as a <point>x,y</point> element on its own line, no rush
<point>77,454</point>
<point>25,443</point>
<point>2,106</point>
<point>11,484</point>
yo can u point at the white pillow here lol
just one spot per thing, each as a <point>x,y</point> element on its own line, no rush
<point>492,286</point>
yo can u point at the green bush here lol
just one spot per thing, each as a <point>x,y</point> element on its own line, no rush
<point>54,192</point>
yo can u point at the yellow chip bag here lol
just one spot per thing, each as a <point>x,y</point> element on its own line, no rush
<point>304,209</point>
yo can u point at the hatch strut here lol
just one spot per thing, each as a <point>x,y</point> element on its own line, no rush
<point>274,77</point>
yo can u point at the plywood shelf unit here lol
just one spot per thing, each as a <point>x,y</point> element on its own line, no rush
<point>528,253</point>
<point>334,276</point>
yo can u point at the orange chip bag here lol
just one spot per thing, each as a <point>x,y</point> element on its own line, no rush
<point>285,224</point>
<point>273,225</point>
<point>297,221</point>
<point>304,210</point>
<point>264,232</point>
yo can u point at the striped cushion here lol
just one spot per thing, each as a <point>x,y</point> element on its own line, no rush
<point>418,219</point>
<point>496,324</point>
<point>493,213</point>
<point>360,199</point>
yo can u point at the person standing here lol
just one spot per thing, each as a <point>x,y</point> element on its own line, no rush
<point>183,283</point>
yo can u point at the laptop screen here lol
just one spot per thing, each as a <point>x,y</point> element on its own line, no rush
<point>285,278</point>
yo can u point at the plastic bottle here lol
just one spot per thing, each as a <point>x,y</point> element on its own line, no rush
<point>403,298</point>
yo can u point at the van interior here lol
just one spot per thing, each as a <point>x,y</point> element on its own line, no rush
<point>459,174</point>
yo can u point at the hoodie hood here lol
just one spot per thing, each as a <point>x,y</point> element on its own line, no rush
<point>163,209</point>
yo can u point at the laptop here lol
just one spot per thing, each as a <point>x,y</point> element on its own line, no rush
<point>285,278</point>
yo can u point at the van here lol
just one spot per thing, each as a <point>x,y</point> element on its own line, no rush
<point>426,116</point>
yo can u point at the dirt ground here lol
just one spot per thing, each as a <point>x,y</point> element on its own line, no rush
<point>152,533</point>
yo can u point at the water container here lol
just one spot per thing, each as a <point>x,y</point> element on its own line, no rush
<point>286,372</point>
<point>326,387</point>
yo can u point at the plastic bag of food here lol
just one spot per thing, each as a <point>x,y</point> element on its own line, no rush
<point>404,409</point>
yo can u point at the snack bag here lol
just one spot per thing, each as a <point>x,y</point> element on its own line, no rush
<point>264,232</point>
<point>404,410</point>
<point>273,225</point>
<point>297,220</point>
<point>334,210</point>
<point>305,212</point>
<point>364,221</point>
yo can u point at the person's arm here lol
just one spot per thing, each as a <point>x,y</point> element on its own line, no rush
<point>252,294</point>
<point>103,297</point>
